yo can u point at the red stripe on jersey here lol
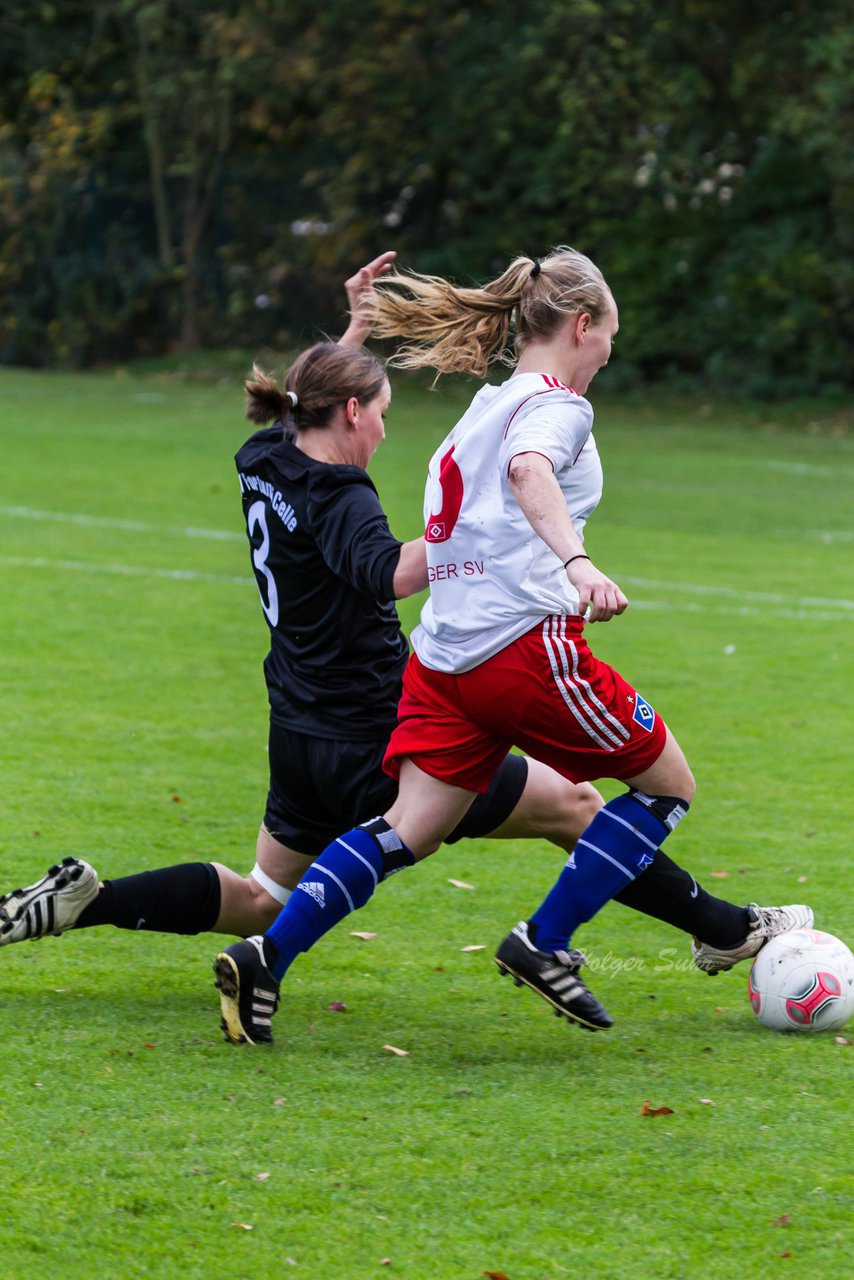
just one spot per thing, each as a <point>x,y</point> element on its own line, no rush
<point>556,384</point>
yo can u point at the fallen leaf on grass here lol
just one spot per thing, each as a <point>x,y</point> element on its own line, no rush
<point>337,1006</point>
<point>475,947</point>
<point>785,1255</point>
<point>401,1053</point>
<point>647,1110</point>
<point>842,1040</point>
<point>244,1226</point>
<point>278,1102</point>
<point>366,937</point>
<point>783,1220</point>
<point>460,884</point>
<point>719,875</point>
<point>149,1046</point>
<point>176,799</point>
<point>497,1275</point>
<point>719,1008</point>
<point>261,1177</point>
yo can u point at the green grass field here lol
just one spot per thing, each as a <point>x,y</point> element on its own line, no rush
<point>137,1143</point>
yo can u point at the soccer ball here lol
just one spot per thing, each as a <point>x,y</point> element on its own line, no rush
<point>803,980</point>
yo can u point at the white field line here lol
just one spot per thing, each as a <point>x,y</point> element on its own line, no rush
<point>732,593</point>
<point>727,600</point>
<point>764,605</point>
<point>741,611</point>
<point>823,535</point>
<point>800,468</point>
<point>128,526</point>
<point>124,570</point>
<point>226,535</point>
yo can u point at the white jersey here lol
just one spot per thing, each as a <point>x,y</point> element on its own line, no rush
<point>491,576</point>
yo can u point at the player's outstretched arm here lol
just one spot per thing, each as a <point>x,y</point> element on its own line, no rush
<point>359,290</point>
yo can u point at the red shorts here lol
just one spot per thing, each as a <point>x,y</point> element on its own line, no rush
<point>545,693</point>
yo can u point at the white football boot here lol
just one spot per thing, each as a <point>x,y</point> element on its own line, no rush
<point>51,905</point>
<point>767,922</point>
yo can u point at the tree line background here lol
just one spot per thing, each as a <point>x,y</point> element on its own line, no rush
<point>177,174</point>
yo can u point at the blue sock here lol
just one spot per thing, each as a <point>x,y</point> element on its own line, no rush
<point>341,880</point>
<point>617,846</point>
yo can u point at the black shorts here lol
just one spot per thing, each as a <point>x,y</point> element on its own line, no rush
<point>320,787</point>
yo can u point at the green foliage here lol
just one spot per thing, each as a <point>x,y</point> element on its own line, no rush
<point>176,174</point>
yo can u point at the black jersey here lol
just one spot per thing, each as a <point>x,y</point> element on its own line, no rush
<point>324,559</point>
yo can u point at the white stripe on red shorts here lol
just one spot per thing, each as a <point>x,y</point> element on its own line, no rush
<point>595,718</point>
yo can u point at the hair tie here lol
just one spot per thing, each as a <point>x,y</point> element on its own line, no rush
<point>536,269</point>
<point>293,397</point>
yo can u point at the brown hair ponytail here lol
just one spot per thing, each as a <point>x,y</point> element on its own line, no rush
<point>323,377</point>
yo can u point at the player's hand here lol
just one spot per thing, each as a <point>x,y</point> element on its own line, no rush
<point>359,291</point>
<point>596,592</point>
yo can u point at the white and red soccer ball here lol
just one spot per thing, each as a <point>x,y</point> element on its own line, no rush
<point>803,980</point>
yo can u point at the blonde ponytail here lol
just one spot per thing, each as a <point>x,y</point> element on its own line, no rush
<point>460,330</point>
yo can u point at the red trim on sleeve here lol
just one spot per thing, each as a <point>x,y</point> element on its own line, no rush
<point>539,454</point>
<point>558,386</point>
<point>522,404</point>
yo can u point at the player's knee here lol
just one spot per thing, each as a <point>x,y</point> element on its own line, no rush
<point>414,832</point>
<point>687,786</point>
<point>265,909</point>
<point>569,810</point>
<point>585,804</point>
<point>262,904</point>
<point>682,783</point>
<point>424,847</point>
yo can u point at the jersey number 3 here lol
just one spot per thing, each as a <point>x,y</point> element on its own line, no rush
<point>256,518</point>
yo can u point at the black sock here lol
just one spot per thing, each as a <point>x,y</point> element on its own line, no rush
<point>669,893</point>
<point>180,899</point>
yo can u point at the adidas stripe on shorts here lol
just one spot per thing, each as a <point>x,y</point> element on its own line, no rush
<point>545,693</point>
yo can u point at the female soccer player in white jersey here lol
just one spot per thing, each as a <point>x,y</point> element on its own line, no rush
<point>333,700</point>
<point>500,655</point>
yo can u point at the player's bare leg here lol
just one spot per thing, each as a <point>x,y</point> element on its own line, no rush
<point>250,904</point>
<point>550,808</point>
